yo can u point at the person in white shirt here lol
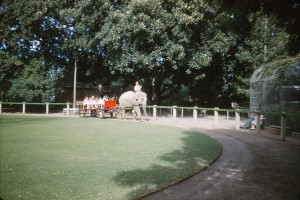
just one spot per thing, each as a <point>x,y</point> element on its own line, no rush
<point>138,90</point>
<point>101,102</point>
<point>86,102</point>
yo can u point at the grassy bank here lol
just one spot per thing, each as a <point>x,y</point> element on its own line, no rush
<point>88,158</point>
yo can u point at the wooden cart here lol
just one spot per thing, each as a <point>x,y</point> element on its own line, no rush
<point>109,108</point>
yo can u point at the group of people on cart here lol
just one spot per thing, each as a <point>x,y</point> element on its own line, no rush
<point>95,102</point>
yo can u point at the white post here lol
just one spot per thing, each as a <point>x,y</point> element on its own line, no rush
<point>24,108</point>
<point>195,113</point>
<point>258,128</point>
<point>174,112</point>
<point>68,107</point>
<point>154,111</point>
<point>47,108</point>
<point>216,116</point>
<point>227,114</point>
<point>237,120</point>
<point>283,127</point>
<point>181,112</point>
<point>0,107</point>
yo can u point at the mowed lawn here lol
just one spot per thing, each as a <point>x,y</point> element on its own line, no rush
<point>89,158</point>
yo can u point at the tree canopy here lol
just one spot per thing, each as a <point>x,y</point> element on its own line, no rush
<point>208,49</point>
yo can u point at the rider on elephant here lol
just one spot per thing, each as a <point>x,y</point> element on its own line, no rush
<point>137,89</point>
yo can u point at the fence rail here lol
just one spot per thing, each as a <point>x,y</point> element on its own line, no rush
<point>156,111</point>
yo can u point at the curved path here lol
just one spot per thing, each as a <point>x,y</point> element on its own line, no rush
<point>251,166</point>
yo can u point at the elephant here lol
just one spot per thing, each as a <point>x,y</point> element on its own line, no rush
<point>127,101</point>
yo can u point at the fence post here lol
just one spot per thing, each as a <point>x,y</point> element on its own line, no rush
<point>47,108</point>
<point>0,107</point>
<point>195,113</point>
<point>24,108</point>
<point>154,111</point>
<point>68,107</point>
<point>216,115</point>
<point>174,112</point>
<point>237,120</point>
<point>283,126</point>
<point>258,128</point>
<point>181,112</point>
<point>227,116</point>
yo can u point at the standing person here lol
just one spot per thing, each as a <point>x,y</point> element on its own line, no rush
<point>137,89</point>
<point>86,102</point>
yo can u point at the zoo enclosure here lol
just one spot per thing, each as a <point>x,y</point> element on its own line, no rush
<point>192,113</point>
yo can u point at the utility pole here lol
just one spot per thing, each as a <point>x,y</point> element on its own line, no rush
<point>75,81</point>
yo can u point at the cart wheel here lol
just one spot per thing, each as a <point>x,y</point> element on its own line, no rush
<point>93,113</point>
<point>81,113</point>
<point>101,115</point>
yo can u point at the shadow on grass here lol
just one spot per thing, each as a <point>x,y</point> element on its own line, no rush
<point>197,152</point>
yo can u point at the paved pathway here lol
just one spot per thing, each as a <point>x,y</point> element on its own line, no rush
<point>252,166</point>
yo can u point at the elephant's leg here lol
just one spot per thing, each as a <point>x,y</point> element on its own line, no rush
<point>133,113</point>
<point>123,114</point>
<point>138,112</point>
<point>145,111</point>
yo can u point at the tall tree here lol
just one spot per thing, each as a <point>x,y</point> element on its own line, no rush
<point>287,14</point>
<point>31,30</point>
<point>266,31</point>
<point>31,35</point>
<point>218,41</point>
<point>56,32</point>
<point>267,42</point>
<point>10,67</point>
<point>151,40</point>
<point>165,43</point>
<point>33,82</point>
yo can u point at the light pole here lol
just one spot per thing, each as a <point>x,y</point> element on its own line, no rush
<point>75,77</point>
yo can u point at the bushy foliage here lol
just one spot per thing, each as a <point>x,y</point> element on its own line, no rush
<point>210,47</point>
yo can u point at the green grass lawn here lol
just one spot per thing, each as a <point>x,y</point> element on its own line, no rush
<point>88,158</point>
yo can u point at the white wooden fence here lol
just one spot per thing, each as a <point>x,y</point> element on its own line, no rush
<point>153,112</point>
